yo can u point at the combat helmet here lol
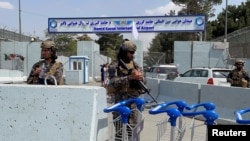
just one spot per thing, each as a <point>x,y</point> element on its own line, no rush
<point>49,44</point>
<point>239,61</point>
<point>129,46</point>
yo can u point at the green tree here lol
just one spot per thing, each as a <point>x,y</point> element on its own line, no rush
<point>194,7</point>
<point>237,17</point>
<point>66,43</point>
<point>109,44</point>
<point>163,42</point>
<point>109,41</point>
<point>84,37</point>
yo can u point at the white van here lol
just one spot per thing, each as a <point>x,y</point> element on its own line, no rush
<point>163,72</point>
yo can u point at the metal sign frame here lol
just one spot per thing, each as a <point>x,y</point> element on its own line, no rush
<point>190,23</point>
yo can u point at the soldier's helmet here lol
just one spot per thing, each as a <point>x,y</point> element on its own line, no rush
<point>129,46</point>
<point>49,44</point>
<point>239,61</point>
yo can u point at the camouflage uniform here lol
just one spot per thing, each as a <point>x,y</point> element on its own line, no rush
<point>52,69</point>
<point>238,77</point>
<point>58,73</point>
<point>122,88</point>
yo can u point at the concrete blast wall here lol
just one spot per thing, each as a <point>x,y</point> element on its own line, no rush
<point>52,113</point>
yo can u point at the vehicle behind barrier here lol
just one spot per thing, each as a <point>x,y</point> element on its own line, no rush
<point>163,72</point>
<point>205,75</point>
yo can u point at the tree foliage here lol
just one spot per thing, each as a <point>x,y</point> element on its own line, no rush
<point>237,18</point>
<point>111,41</point>
<point>66,43</point>
<point>84,37</point>
<point>194,7</point>
<point>162,43</point>
<point>109,44</point>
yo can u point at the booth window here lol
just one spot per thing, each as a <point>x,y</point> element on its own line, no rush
<point>77,65</point>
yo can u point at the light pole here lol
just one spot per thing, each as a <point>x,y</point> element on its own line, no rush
<point>20,27</point>
<point>225,40</point>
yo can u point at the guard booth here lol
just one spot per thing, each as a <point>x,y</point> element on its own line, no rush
<point>78,70</point>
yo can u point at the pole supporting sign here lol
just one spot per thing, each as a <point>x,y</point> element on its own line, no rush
<point>190,23</point>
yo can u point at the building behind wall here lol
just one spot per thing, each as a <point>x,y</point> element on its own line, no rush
<point>189,54</point>
<point>87,48</point>
<point>31,51</point>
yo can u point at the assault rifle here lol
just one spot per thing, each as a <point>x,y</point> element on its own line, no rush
<point>140,83</point>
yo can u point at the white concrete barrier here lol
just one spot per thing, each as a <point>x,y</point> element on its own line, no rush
<point>153,85</point>
<point>52,113</point>
<point>11,76</point>
<point>172,91</point>
<point>165,91</point>
<point>74,77</point>
<point>227,101</point>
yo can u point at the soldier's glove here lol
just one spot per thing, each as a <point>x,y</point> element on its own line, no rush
<point>244,83</point>
<point>136,75</point>
<point>37,70</point>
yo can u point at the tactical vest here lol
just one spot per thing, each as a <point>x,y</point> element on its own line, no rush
<point>132,87</point>
<point>52,71</point>
<point>237,77</point>
<point>124,72</point>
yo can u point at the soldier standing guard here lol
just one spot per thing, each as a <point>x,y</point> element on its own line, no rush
<point>123,80</point>
<point>238,77</point>
<point>48,66</point>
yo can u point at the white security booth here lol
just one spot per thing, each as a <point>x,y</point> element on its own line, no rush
<point>78,70</point>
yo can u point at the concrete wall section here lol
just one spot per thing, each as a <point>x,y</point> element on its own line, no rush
<point>226,99</point>
<point>86,48</point>
<point>31,51</point>
<point>74,77</point>
<point>199,54</point>
<point>182,55</point>
<point>153,85</point>
<point>172,91</point>
<point>65,113</point>
<point>65,61</point>
<point>11,76</point>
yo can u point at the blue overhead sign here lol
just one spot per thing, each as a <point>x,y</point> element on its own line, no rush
<point>191,23</point>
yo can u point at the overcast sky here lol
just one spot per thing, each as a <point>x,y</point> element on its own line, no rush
<point>35,13</point>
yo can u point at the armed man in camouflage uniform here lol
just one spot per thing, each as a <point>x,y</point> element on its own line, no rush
<point>123,82</point>
<point>47,67</point>
<point>238,77</point>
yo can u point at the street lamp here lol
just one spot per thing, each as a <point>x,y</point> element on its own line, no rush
<point>20,27</point>
<point>225,40</point>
